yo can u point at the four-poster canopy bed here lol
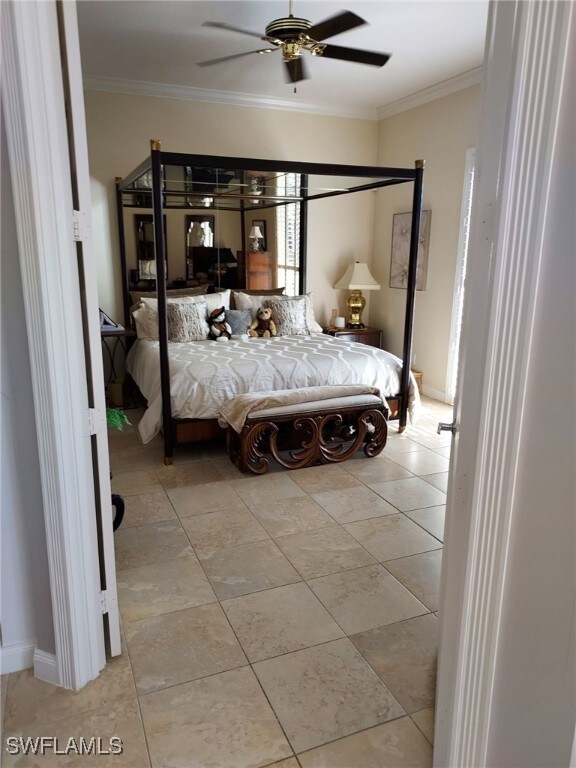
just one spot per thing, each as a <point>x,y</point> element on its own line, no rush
<point>168,180</point>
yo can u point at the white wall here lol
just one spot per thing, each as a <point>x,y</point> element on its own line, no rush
<point>532,722</point>
<point>26,609</point>
<point>439,132</point>
<point>119,131</point>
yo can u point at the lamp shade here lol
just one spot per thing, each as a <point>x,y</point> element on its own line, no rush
<point>357,277</point>
<point>255,232</point>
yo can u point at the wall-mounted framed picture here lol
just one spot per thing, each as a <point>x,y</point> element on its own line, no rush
<point>401,229</point>
<point>263,241</point>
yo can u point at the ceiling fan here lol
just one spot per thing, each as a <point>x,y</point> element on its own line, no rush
<point>292,36</point>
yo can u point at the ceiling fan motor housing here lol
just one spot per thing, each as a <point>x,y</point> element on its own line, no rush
<point>288,28</point>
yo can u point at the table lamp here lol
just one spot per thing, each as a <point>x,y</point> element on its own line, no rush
<point>356,279</point>
<point>255,235</point>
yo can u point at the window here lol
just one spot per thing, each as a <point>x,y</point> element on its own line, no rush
<point>288,235</point>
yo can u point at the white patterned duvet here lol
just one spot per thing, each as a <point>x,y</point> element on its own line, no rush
<point>205,374</point>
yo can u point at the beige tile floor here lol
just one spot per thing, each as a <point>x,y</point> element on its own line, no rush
<point>283,620</point>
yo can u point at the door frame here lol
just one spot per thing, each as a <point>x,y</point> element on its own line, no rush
<point>34,110</point>
<point>524,66</point>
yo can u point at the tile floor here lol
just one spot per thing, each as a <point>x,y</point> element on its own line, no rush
<point>283,620</point>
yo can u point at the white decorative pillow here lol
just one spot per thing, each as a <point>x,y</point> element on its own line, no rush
<point>146,324</point>
<point>253,302</point>
<point>187,322</point>
<point>216,300</point>
<point>212,301</point>
<point>313,325</point>
<point>289,314</point>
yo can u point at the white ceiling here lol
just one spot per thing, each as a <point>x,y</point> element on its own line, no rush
<point>160,41</point>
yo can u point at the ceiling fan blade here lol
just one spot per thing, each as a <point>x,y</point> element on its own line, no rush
<point>295,69</point>
<point>230,28</point>
<point>209,62</point>
<point>354,54</point>
<point>342,22</point>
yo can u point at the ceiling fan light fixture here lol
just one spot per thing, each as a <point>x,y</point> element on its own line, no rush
<point>291,51</point>
<point>292,35</point>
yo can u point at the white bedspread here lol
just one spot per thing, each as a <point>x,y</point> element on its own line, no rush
<point>206,374</point>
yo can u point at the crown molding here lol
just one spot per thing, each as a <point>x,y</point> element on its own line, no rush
<point>187,93</point>
<point>445,88</point>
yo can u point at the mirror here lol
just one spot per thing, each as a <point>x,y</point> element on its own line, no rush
<point>146,271</point>
<point>199,235</point>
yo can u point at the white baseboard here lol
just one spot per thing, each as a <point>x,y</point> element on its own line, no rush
<point>17,656</point>
<point>45,667</point>
<point>435,394</point>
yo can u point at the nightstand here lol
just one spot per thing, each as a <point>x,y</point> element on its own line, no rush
<point>370,336</point>
<point>114,357</point>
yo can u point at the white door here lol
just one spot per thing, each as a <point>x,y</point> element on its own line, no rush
<point>73,93</point>
<point>523,69</point>
<point>48,166</point>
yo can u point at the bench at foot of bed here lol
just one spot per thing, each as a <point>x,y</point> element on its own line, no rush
<point>305,434</point>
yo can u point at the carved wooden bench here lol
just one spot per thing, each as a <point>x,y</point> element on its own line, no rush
<point>304,434</point>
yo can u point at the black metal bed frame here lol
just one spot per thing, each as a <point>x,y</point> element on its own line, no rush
<point>154,163</point>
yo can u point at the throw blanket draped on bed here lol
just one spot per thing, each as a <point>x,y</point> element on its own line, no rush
<point>206,374</point>
<point>235,411</point>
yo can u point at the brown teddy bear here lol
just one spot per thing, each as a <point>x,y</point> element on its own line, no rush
<point>263,325</point>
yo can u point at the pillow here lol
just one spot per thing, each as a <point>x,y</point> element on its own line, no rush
<point>137,296</point>
<point>187,322</point>
<point>215,300</point>
<point>240,299</point>
<point>264,291</point>
<point>289,314</point>
<point>313,325</point>
<point>146,325</point>
<point>239,320</point>
<point>255,301</point>
<point>251,301</point>
<point>212,301</point>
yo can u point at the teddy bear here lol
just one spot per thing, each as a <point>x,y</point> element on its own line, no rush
<point>220,330</point>
<point>263,325</point>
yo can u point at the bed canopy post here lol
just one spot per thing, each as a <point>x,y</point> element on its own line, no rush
<point>302,235</point>
<point>156,160</point>
<point>122,241</point>
<point>411,293</point>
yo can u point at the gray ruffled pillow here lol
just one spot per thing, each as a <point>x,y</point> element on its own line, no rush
<point>289,315</point>
<point>187,322</point>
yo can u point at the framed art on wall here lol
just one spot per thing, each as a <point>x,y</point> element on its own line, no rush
<point>401,250</point>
